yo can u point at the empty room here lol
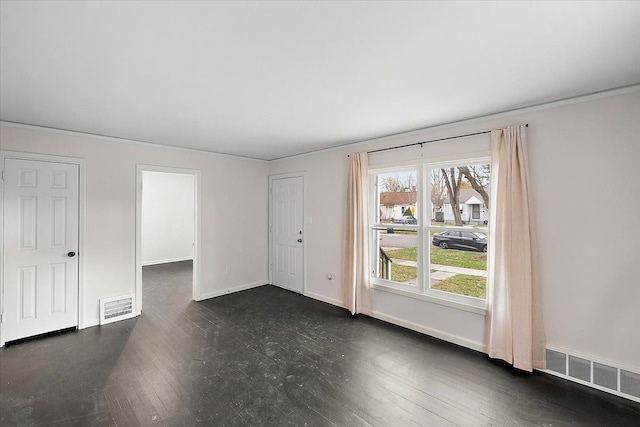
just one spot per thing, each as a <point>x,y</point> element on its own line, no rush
<point>357,213</point>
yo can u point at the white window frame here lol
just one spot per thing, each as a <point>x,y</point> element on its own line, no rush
<point>374,225</point>
<point>422,290</point>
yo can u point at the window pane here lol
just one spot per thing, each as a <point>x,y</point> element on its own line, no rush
<point>460,195</point>
<point>458,259</point>
<point>475,214</point>
<point>458,263</point>
<point>397,255</point>
<point>397,197</point>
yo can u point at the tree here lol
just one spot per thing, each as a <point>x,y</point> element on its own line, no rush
<point>391,184</point>
<point>409,182</point>
<point>437,188</point>
<point>394,184</point>
<point>452,184</point>
<point>478,177</point>
<point>454,179</point>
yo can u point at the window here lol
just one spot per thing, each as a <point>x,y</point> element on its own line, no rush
<point>441,250</point>
<point>396,235</point>
<point>476,212</point>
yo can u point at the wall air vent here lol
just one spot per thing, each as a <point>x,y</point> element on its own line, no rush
<point>556,361</point>
<point>605,376</point>
<point>580,368</point>
<point>630,383</point>
<point>600,374</point>
<point>116,308</point>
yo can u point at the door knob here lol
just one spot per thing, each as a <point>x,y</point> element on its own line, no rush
<point>71,254</point>
<point>299,240</point>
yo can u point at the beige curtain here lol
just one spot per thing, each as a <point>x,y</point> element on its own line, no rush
<point>356,267</point>
<point>515,330</point>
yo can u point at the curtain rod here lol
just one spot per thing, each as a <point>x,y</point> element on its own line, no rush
<point>427,142</point>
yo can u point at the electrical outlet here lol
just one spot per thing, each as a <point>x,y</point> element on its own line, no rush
<point>227,270</point>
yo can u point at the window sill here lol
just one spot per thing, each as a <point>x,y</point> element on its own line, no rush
<point>431,298</point>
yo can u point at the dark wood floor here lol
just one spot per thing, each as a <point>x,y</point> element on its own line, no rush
<point>267,356</point>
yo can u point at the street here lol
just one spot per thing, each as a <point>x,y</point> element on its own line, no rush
<point>397,240</point>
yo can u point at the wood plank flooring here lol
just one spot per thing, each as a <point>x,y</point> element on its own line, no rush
<point>267,356</point>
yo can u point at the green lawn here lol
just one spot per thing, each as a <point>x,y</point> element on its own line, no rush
<point>474,286</point>
<point>403,273</point>
<point>453,257</point>
<point>460,284</point>
<point>410,254</point>
<point>456,258</point>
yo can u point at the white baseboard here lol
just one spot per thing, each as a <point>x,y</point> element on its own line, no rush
<point>90,323</point>
<point>473,345</point>
<point>297,291</point>
<point>326,299</point>
<point>166,261</point>
<point>244,287</point>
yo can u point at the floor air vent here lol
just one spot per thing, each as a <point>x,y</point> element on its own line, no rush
<point>116,308</point>
<point>603,376</point>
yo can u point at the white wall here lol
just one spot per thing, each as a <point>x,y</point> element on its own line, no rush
<point>234,238</point>
<point>167,217</point>
<point>583,154</point>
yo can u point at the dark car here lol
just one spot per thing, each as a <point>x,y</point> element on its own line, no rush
<point>460,240</point>
<point>405,220</point>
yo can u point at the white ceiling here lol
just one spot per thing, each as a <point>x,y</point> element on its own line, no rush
<point>274,79</point>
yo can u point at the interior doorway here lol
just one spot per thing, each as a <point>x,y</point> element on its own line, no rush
<point>167,222</point>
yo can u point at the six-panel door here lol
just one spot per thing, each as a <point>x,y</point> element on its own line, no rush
<point>40,245</point>
<point>286,233</point>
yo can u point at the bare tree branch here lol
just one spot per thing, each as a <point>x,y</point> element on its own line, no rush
<point>475,182</point>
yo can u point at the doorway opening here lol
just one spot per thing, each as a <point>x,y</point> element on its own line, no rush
<point>167,230</point>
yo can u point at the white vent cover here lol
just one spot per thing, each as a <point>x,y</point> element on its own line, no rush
<point>598,374</point>
<point>116,308</point>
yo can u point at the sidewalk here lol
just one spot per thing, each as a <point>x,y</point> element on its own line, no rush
<point>442,272</point>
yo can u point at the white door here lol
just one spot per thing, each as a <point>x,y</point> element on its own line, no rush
<point>40,244</point>
<point>286,233</point>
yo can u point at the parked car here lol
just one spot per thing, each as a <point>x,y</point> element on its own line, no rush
<point>405,220</point>
<point>460,240</point>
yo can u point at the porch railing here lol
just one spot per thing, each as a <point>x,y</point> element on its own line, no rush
<point>385,265</point>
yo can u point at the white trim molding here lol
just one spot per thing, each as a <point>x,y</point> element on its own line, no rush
<point>323,298</point>
<point>353,146</point>
<point>197,235</point>
<point>445,336</point>
<point>232,290</point>
<point>124,140</point>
